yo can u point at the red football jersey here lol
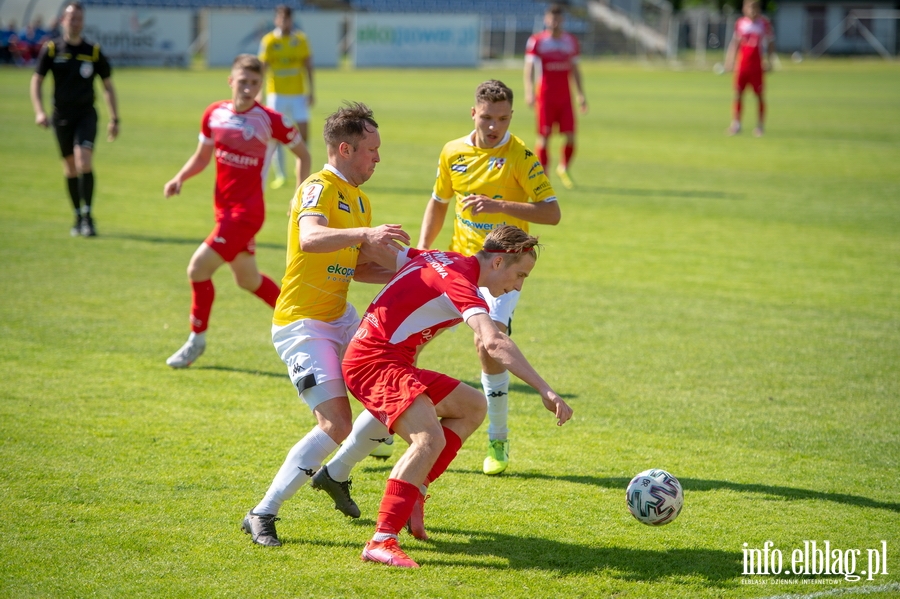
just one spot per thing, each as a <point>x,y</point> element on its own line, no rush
<point>435,290</point>
<point>556,57</point>
<point>241,140</point>
<point>752,34</point>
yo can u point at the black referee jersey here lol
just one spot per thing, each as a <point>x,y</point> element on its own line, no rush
<point>74,68</point>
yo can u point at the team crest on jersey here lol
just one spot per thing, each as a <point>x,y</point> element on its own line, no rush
<point>87,69</point>
<point>247,132</point>
<point>311,195</point>
<point>496,163</point>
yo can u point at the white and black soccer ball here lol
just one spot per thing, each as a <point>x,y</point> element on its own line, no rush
<point>654,497</point>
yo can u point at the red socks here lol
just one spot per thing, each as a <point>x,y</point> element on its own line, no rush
<point>268,291</point>
<point>396,506</point>
<point>450,450</point>
<point>568,151</point>
<point>202,296</point>
<point>543,157</point>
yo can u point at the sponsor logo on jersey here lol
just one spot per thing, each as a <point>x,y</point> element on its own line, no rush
<point>478,226</point>
<point>528,154</point>
<point>459,168</point>
<point>219,240</point>
<point>438,260</point>
<point>236,159</point>
<point>344,271</point>
<point>370,318</point>
<point>537,164</point>
<point>343,206</point>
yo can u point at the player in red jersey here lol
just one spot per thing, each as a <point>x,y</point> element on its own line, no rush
<point>752,32</point>
<point>431,411</point>
<point>556,51</point>
<point>237,133</point>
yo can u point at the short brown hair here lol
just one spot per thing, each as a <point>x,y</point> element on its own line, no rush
<point>349,124</point>
<point>556,9</point>
<point>248,62</point>
<point>283,10</point>
<point>512,242</point>
<point>493,91</point>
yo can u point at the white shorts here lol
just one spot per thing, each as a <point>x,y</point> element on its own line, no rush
<point>312,351</point>
<point>294,107</point>
<point>501,308</point>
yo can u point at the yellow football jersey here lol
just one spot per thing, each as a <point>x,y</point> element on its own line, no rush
<point>285,58</point>
<point>315,284</point>
<point>509,172</point>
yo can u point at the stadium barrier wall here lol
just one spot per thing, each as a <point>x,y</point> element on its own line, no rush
<point>415,40</point>
<point>233,32</point>
<point>142,36</point>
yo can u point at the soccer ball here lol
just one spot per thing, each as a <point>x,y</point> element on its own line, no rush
<point>654,497</point>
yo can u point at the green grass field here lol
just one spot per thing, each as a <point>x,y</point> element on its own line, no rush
<point>725,308</point>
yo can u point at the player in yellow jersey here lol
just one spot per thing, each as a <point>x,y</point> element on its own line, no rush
<point>491,179</point>
<point>288,61</point>
<point>330,242</point>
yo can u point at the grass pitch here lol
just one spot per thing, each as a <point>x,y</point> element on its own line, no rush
<point>724,308</point>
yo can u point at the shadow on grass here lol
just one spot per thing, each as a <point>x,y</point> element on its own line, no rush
<point>178,240</point>
<point>535,553</point>
<point>243,371</point>
<point>498,551</point>
<point>699,484</point>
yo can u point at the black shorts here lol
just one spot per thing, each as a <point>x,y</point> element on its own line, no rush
<point>78,129</point>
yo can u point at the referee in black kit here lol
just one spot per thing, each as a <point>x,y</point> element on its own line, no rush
<point>74,63</point>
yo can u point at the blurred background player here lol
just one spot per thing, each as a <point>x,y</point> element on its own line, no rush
<point>431,411</point>
<point>752,32</point>
<point>330,243</point>
<point>238,132</point>
<point>552,57</point>
<point>74,63</point>
<point>288,63</point>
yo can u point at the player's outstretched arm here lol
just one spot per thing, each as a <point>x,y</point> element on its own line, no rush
<point>541,213</point>
<point>582,100</point>
<point>506,352</point>
<point>194,166</point>
<point>730,54</point>
<point>529,81</point>
<point>432,223</point>
<point>37,101</point>
<point>304,161</point>
<point>318,238</point>
<point>109,93</point>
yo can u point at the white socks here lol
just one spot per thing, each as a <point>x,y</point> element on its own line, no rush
<point>198,338</point>
<point>368,432</point>
<point>302,461</point>
<point>496,389</point>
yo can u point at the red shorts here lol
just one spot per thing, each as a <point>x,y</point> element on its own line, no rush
<point>387,389</point>
<point>751,77</point>
<point>555,112</point>
<point>231,237</point>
